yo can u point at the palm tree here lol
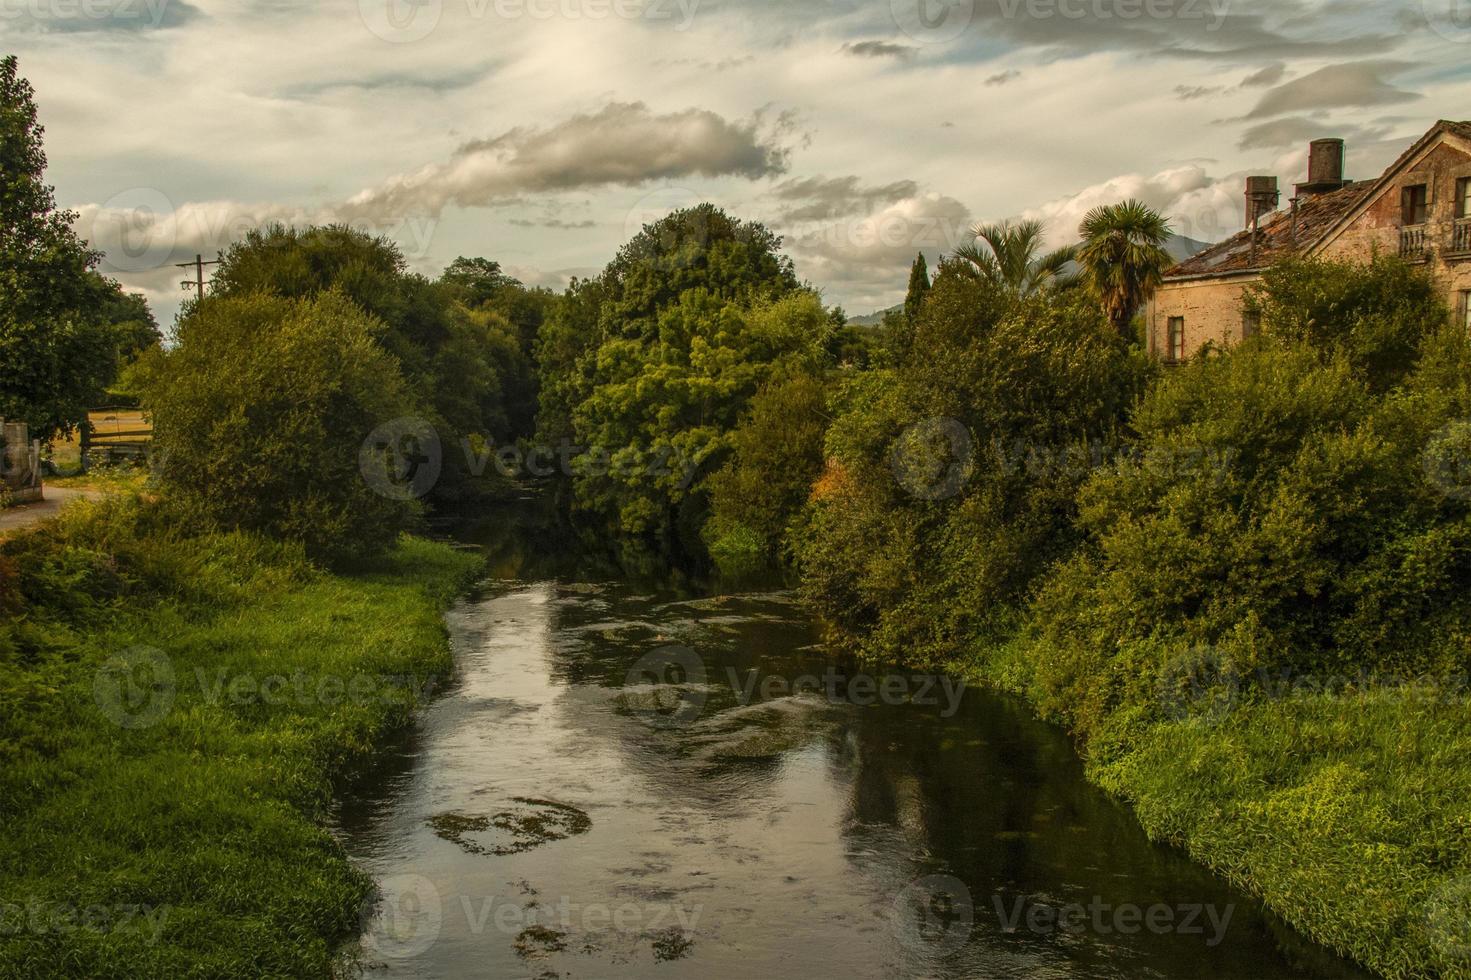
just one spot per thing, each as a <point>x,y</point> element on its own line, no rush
<point>1123,257</point>
<point>1010,258</point>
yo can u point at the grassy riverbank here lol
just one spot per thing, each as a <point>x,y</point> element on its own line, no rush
<point>173,712</point>
<point>1348,814</point>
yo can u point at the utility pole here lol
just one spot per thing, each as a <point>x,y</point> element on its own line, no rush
<point>198,266</point>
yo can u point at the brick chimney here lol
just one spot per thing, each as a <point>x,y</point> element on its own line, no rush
<point>1261,198</point>
<point>1325,168</point>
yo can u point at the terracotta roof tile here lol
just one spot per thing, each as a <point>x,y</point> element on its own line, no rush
<point>1315,216</point>
<point>1275,240</point>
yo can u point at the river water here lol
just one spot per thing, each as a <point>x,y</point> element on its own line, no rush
<point>629,780</point>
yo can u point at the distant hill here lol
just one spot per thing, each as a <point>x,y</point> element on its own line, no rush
<point>1179,247</point>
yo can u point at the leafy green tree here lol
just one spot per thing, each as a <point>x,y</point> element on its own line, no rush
<point>647,367</point>
<point>479,280</point>
<point>951,475</point>
<point>260,411</point>
<point>1009,257</point>
<point>1123,257</point>
<point>776,454</point>
<point>465,365</point>
<point>56,350</point>
<point>919,284</point>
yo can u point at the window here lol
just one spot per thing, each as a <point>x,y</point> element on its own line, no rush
<point>1416,204</point>
<point>1464,313</point>
<point>1251,323</point>
<point>1176,350</point>
<point>1463,198</point>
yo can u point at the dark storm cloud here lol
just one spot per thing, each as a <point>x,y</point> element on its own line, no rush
<point>880,49</point>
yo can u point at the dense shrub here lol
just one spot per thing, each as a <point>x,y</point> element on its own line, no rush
<point>1285,515</point>
<point>951,476</point>
<point>260,411</point>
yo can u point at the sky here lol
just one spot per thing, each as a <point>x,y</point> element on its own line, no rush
<point>544,133</point>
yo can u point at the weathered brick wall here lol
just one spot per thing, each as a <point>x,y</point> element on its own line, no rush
<point>1211,308</point>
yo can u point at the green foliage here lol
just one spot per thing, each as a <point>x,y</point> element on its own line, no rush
<point>259,412</point>
<point>951,476</point>
<point>776,456</point>
<point>1279,512</point>
<point>647,368</point>
<point>919,285</point>
<point>212,818</point>
<point>1006,257</point>
<point>1123,257</point>
<point>1378,315</point>
<point>62,326</point>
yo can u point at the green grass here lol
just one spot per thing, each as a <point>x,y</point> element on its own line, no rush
<point>207,816</point>
<point>1350,816</point>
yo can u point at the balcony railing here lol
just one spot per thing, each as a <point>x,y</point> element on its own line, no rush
<point>1412,242</point>
<point>1461,236</point>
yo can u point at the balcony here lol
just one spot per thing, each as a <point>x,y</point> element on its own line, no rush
<point>1412,242</point>
<point>1461,236</point>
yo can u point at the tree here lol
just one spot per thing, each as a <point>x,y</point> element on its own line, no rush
<point>478,279</point>
<point>648,366</point>
<point>55,349</point>
<point>260,414</point>
<point>1011,261</point>
<point>1123,257</point>
<point>919,284</point>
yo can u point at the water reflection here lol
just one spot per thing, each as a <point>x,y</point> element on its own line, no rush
<point>764,812</point>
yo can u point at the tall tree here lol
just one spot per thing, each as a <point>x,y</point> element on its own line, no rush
<point>1123,257</point>
<point>1009,256</point>
<point>919,284</point>
<point>55,350</point>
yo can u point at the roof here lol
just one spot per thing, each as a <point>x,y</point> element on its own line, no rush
<point>1317,218</point>
<point>1276,239</point>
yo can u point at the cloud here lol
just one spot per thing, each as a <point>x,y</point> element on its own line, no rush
<point>1299,130</point>
<point>867,258</point>
<point>1010,75</point>
<point>1198,205</point>
<point>556,223</point>
<point>824,198</point>
<point>880,49</point>
<point>1355,84</point>
<point>624,144</point>
<point>99,16</point>
<point>1270,75</point>
<point>1189,93</point>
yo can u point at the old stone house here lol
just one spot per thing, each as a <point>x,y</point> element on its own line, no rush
<point>1420,208</point>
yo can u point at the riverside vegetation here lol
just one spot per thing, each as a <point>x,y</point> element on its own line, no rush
<point>1217,577</point>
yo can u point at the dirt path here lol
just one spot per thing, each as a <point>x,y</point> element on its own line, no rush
<point>14,518</point>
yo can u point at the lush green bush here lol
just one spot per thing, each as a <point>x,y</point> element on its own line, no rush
<point>1279,518</point>
<point>260,412</point>
<point>951,476</point>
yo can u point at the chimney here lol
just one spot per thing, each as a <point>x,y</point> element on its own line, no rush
<point>1261,198</point>
<point>1325,168</point>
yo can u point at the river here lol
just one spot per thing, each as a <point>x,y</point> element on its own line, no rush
<point>625,779</point>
